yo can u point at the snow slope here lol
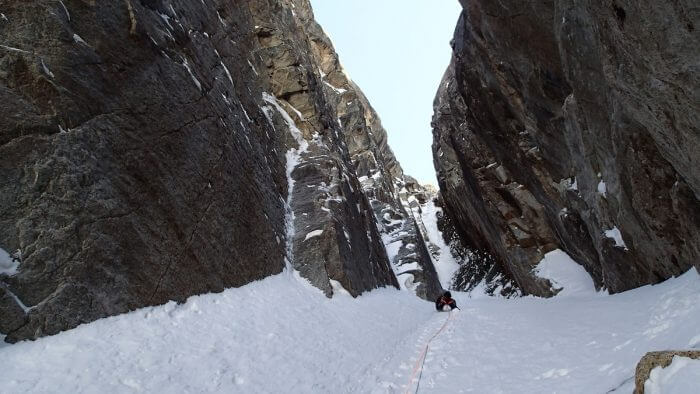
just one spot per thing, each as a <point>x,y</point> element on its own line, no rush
<point>282,335</point>
<point>563,344</point>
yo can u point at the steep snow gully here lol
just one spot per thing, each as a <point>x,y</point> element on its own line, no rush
<point>258,145</point>
<point>283,335</point>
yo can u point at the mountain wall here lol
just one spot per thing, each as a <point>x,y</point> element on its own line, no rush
<point>155,149</point>
<point>573,126</point>
<point>361,136</point>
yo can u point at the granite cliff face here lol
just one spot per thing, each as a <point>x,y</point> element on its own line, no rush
<point>152,150</point>
<point>573,126</point>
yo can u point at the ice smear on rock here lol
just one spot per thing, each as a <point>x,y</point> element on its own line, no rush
<point>293,157</point>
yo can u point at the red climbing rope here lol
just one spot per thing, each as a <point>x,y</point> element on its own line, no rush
<point>421,359</point>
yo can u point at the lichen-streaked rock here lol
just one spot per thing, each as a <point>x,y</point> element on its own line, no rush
<point>574,126</point>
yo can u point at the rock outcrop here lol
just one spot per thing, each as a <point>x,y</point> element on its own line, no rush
<point>661,359</point>
<point>381,177</point>
<point>152,150</point>
<point>573,126</point>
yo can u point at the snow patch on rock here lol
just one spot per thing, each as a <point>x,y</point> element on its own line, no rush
<point>565,274</point>
<point>614,234</point>
<point>8,263</point>
<point>313,234</point>
<point>681,376</point>
<point>602,188</point>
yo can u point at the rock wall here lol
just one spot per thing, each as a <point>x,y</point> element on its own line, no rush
<point>381,177</point>
<point>334,238</point>
<point>477,268</point>
<point>574,126</point>
<point>152,150</point>
<point>136,165</point>
<point>661,359</point>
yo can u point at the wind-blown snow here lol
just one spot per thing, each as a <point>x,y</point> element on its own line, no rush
<point>565,273</point>
<point>681,376</point>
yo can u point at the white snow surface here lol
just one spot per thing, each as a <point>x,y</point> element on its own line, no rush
<point>392,246</point>
<point>312,234</point>
<point>614,233</point>
<point>337,90</point>
<point>8,265</point>
<point>602,188</point>
<point>294,158</point>
<point>445,264</point>
<point>681,376</point>
<point>282,335</point>
<point>565,273</point>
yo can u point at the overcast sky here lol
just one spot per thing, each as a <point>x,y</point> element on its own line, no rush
<point>396,51</point>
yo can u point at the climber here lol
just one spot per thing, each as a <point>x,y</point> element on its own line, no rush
<point>445,301</point>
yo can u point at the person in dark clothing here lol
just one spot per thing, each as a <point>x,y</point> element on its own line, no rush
<point>445,300</point>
